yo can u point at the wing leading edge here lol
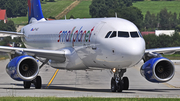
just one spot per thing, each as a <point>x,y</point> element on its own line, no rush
<point>49,54</point>
<point>11,33</point>
<point>166,51</point>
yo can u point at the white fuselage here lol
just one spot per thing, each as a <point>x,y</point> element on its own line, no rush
<point>88,42</point>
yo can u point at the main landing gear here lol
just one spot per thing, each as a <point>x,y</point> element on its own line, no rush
<point>118,82</point>
<point>37,83</point>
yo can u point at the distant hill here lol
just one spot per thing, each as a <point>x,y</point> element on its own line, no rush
<point>49,9</point>
<point>54,8</point>
<point>82,10</point>
<point>156,6</point>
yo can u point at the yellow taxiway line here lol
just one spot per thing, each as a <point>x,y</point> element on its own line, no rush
<point>52,78</point>
<point>170,86</point>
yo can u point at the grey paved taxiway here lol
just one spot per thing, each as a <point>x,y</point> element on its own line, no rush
<point>89,84</point>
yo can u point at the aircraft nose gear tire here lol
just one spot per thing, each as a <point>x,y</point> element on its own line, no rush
<point>113,85</point>
<point>37,83</point>
<point>118,84</point>
<point>125,83</point>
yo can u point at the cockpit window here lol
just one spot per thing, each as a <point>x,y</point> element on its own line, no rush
<point>113,34</point>
<point>140,34</point>
<point>107,35</point>
<point>123,34</point>
<point>134,34</point>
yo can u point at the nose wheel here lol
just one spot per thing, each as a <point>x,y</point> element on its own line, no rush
<point>118,82</point>
<point>125,83</point>
<point>113,85</point>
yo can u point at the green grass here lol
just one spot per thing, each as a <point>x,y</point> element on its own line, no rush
<point>81,10</point>
<point>173,56</point>
<point>54,8</point>
<point>20,20</point>
<point>3,56</point>
<point>49,9</point>
<point>156,6</point>
<point>83,99</point>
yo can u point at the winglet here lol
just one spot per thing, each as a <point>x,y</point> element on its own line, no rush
<point>34,11</point>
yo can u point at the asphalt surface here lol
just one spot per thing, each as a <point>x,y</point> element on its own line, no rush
<point>89,84</point>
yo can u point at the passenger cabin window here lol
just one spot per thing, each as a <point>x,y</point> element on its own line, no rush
<point>107,35</point>
<point>134,34</point>
<point>113,34</point>
<point>123,34</point>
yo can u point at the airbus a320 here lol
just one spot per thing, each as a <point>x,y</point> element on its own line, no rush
<point>81,44</point>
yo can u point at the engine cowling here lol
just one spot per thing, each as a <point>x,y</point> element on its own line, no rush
<point>158,70</point>
<point>23,68</point>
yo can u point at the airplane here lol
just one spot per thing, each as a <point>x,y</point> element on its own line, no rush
<point>113,43</point>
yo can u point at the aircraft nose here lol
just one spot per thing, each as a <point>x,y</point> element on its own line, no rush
<point>135,48</point>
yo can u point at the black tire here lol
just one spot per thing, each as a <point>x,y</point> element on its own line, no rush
<point>120,86</point>
<point>125,83</point>
<point>113,85</point>
<point>38,82</point>
<point>27,84</point>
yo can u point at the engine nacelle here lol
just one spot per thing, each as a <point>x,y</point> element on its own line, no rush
<point>158,70</point>
<point>23,68</point>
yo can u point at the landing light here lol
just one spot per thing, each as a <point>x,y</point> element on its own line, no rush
<point>114,70</point>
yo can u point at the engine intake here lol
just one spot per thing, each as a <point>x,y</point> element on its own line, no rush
<point>23,68</point>
<point>158,70</point>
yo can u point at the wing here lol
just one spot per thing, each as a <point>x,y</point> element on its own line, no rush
<point>11,33</point>
<point>49,54</point>
<point>168,50</point>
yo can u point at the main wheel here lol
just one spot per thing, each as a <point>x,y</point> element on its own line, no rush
<point>38,82</point>
<point>27,84</point>
<point>125,83</point>
<point>120,86</point>
<point>113,85</point>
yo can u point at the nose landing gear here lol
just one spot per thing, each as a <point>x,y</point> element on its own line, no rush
<point>118,82</point>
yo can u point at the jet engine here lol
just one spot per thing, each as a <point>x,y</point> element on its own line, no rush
<point>23,68</point>
<point>158,70</point>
